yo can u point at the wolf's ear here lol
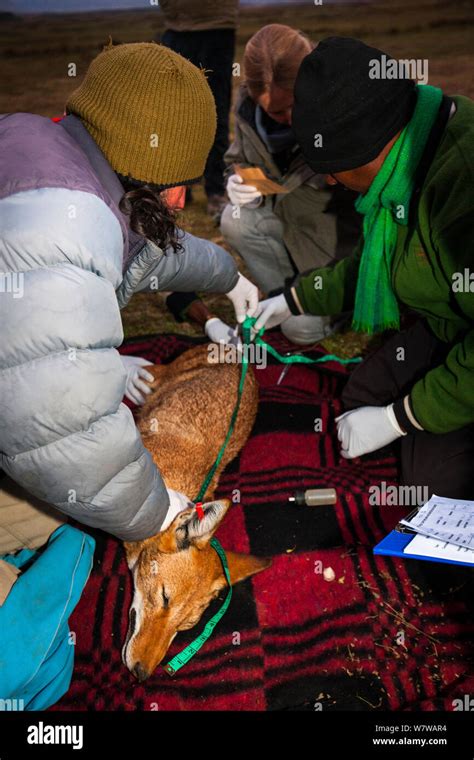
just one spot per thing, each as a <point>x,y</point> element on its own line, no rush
<point>168,540</point>
<point>242,566</point>
<point>200,531</point>
<point>187,528</point>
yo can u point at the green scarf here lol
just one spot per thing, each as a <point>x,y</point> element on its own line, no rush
<point>386,205</point>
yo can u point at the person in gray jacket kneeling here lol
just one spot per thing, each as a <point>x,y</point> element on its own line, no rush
<point>84,226</point>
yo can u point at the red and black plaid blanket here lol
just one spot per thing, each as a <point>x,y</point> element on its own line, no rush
<point>384,634</point>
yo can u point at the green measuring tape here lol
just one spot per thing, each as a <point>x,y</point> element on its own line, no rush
<point>188,652</point>
<point>294,358</point>
<point>183,657</point>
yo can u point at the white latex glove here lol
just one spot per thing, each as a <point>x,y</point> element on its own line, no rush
<point>239,193</point>
<point>217,331</point>
<point>367,429</point>
<point>135,376</point>
<point>244,296</point>
<point>272,312</point>
<point>178,502</point>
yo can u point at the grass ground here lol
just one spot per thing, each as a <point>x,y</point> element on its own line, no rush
<point>36,53</point>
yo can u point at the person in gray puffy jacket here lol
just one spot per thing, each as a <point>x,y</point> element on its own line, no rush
<point>83,225</point>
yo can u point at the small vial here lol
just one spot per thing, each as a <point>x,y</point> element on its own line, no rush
<point>314,497</point>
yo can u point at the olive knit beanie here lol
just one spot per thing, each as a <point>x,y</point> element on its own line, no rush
<point>150,111</point>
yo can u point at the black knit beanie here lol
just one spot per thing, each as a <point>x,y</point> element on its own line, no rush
<point>355,115</point>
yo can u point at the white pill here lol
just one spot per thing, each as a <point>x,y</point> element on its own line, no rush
<point>329,574</point>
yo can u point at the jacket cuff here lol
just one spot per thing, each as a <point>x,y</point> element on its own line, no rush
<point>293,302</point>
<point>405,417</point>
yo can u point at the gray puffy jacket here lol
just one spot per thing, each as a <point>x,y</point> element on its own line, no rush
<point>68,263</point>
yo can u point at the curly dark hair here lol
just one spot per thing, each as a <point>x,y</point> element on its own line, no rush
<point>149,214</point>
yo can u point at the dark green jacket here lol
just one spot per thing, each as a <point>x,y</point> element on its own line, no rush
<point>432,254</point>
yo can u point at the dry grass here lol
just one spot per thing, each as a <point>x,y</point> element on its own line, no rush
<point>36,51</point>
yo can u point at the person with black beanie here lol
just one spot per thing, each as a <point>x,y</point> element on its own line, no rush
<point>408,150</point>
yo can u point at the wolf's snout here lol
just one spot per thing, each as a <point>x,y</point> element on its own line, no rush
<point>140,673</point>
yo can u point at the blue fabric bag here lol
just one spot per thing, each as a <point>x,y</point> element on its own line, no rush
<point>36,654</point>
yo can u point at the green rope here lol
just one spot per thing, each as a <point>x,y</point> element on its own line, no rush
<point>188,652</point>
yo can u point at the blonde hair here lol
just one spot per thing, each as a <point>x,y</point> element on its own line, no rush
<point>273,55</point>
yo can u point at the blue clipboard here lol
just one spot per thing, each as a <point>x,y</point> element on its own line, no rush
<point>394,544</point>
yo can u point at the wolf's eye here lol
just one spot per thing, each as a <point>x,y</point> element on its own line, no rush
<point>166,599</point>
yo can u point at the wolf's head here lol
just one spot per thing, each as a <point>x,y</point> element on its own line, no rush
<point>176,574</point>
